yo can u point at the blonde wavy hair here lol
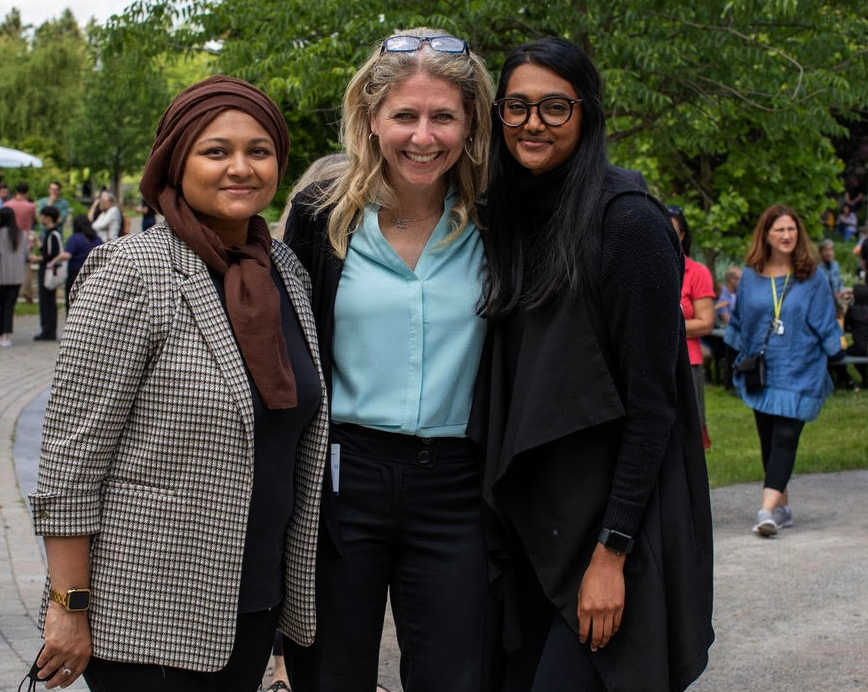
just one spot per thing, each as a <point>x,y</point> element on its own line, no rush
<point>365,181</point>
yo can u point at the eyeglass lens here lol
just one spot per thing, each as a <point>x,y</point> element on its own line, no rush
<point>407,44</point>
<point>552,111</point>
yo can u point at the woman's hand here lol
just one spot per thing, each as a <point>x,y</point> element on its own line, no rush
<point>67,646</point>
<point>601,598</point>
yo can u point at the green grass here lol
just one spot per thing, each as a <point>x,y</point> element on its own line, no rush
<point>835,441</point>
<point>22,308</point>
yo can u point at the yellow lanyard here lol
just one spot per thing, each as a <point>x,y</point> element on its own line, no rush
<point>778,303</point>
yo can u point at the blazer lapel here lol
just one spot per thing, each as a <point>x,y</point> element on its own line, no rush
<point>297,286</point>
<point>198,291</point>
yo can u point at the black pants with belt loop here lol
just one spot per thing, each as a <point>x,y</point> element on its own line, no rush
<point>409,513</point>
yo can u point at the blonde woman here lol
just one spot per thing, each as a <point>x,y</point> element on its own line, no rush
<point>397,266</point>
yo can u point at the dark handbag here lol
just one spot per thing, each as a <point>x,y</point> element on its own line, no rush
<point>753,370</point>
<point>31,676</point>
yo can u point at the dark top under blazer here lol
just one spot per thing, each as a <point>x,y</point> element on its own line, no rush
<point>609,437</point>
<point>306,233</point>
<point>148,445</point>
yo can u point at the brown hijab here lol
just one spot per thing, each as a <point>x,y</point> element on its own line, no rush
<point>252,300</point>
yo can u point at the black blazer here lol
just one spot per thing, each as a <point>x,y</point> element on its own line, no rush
<point>306,232</point>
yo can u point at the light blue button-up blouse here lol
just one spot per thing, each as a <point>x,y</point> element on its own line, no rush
<point>407,342</point>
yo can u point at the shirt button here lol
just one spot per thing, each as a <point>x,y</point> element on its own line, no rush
<point>424,457</point>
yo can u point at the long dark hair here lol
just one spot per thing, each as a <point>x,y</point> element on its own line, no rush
<point>555,266</point>
<point>7,221</point>
<point>676,214</point>
<point>81,224</point>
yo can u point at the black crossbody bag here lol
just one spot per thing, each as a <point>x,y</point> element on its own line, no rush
<point>753,368</point>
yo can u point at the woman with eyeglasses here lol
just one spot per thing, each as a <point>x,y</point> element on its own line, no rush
<point>784,310</point>
<point>594,461</point>
<point>397,265</point>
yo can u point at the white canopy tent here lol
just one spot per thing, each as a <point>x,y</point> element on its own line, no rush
<point>12,158</point>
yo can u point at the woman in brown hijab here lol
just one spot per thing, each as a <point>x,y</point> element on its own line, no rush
<point>185,437</point>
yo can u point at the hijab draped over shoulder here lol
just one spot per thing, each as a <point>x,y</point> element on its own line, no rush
<point>252,300</point>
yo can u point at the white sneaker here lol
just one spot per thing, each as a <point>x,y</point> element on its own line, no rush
<point>5,342</point>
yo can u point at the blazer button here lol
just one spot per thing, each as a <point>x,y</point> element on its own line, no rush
<point>427,440</point>
<point>424,457</point>
<point>43,514</point>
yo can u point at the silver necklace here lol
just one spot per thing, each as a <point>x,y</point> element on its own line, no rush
<point>403,223</point>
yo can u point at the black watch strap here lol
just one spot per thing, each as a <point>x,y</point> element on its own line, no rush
<point>616,541</point>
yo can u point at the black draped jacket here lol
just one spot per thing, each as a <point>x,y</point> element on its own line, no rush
<point>587,412</point>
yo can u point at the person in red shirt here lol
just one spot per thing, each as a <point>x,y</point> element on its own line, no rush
<point>697,304</point>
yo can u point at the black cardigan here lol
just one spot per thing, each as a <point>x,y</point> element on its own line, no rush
<point>306,232</point>
<point>588,415</point>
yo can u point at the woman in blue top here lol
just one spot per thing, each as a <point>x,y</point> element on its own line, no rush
<point>397,266</point>
<point>78,247</point>
<point>783,296</point>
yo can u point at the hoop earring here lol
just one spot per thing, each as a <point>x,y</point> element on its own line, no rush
<point>468,144</point>
<point>371,135</point>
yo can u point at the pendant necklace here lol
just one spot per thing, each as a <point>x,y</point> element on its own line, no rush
<point>403,223</point>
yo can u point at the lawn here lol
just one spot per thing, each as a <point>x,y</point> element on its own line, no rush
<point>835,441</point>
<point>22,308</point>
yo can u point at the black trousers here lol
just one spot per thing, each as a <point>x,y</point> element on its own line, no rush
<point>409,512</point>
<point>779,440</point>
<point>254,635</point>
<point>551,657</point>
<point>70,279</point>
<point>8,296</point>
<point>47,307</point>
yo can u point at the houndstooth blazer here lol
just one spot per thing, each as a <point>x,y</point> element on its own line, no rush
<point>148,446</point>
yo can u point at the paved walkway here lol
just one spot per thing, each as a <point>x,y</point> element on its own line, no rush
<point>791,613</point>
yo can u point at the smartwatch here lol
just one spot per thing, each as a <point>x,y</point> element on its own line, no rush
<point>616,541</point>
<point>74,600</point>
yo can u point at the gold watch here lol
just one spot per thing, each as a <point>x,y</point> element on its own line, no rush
<point>74,600</point>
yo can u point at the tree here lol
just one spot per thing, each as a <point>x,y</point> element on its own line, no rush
<point>42,80</point>
<point>121,107</point>
<point>726,105</point>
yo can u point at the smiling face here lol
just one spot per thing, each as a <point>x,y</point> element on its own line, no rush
<point>231,172</point>
<point>782,236</point>
<point>421,127</point>
<point>535,145</point>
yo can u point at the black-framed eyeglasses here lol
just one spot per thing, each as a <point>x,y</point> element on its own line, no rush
<point>554,111</point>
<point>409,44</point>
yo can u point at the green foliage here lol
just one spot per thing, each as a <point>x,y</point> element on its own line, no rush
<point>830,443</point>
<point>726,106</point>
<point>40,85</point>
<point>121,107</point>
